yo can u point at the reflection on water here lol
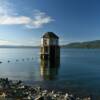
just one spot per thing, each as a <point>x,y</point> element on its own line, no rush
<point>49,69</point>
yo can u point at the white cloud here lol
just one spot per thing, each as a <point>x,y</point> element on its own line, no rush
<point>7,42</point>
<point>3,42</point>
<point>39,19</point>
<point>11,20</point>
<point>9,17</point>
<point>6,8</point>
<point>30,42</point>
<point>36,22</point>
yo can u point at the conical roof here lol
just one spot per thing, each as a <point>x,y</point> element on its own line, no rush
<point>50,35</point>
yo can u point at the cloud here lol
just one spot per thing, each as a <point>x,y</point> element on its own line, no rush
<point>9,17</point>
<point>11,20</point>
<point>7,42</point>
<point>39,19</point>
<point>4,42</point>
<point>6,8</point>
<point>34,42</point>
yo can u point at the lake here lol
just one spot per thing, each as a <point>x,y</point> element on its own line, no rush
<point>78,72</point>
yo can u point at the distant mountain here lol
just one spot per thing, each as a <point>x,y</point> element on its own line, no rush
<point>88,44</point>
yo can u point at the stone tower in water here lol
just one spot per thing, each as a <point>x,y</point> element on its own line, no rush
<point>50,49</point>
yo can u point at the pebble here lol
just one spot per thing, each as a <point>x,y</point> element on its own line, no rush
<point>66,96</point>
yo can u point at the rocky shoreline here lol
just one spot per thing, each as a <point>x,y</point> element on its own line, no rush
<point>17,90</point>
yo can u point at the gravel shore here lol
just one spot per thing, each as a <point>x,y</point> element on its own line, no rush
<point>17,90</point>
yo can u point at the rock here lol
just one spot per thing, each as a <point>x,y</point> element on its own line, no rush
<point>87,98</point>
<point>45,91</point>
<point>16,89</point>
<point>66,96</point>
<point>52,92</point>
<point>3,95</point>
<point>39,98</point>
<point>55,95</point>
<point>77,98</point>
<point>28,98</point>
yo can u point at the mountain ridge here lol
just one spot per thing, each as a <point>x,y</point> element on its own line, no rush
<point>86,44</point>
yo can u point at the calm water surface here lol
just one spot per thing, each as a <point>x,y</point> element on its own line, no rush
<point>79,70</point>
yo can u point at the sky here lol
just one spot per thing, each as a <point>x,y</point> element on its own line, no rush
<point>23,22</point>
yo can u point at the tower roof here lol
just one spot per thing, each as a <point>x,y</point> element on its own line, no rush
<point>50,35</point>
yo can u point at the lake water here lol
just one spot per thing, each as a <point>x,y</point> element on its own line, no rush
<point>78,73</point>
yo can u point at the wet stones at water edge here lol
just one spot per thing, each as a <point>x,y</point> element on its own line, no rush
<point>17,90</point>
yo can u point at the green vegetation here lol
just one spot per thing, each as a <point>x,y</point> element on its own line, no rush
<point>88,44</point>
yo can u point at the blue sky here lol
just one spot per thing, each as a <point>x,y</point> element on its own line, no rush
<point>23,22</point>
